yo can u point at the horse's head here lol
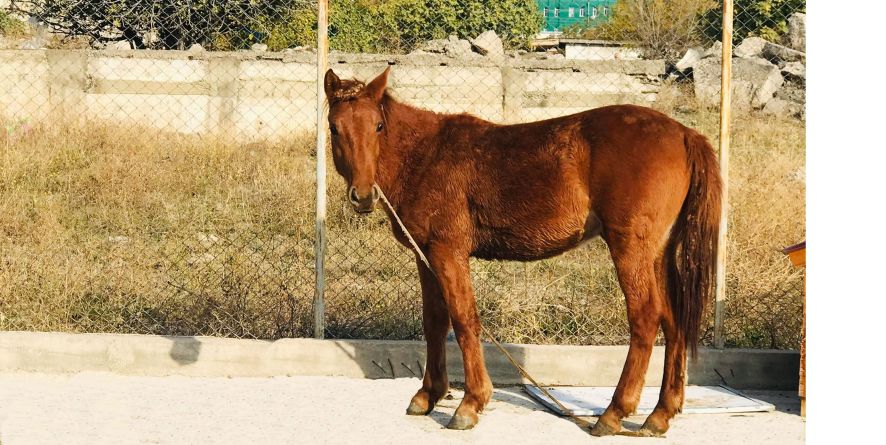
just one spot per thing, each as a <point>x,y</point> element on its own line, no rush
<point>357,123</point>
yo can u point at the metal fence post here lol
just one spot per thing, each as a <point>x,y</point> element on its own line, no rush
<point>725,116</point>
<point>320,231</point>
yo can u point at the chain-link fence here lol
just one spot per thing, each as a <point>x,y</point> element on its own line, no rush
<point>157,166</point>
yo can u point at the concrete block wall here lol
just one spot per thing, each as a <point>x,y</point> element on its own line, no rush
<point>208,356</point>
<point>267,96</point>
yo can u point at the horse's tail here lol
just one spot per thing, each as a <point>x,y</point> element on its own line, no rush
<point>692,247</point>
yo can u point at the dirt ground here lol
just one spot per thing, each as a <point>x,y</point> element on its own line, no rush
<point>100,408</point>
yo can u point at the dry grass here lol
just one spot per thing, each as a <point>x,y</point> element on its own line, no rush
<point>127,230</point>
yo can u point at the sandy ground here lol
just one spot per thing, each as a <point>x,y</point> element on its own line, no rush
<point>99,408</point>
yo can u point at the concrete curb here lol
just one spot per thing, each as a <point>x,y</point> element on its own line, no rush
<point>216,357</point>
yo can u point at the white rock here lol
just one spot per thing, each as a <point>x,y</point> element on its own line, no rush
<point>196,48</point>
<point>259,47</point>
<point>434,46</point>
<point>120,45</point>
<point>489,44</point>
<point>786,108</point>
<point>776,53</point>
<point>754,81</point>
<point>794,71</point>
<point>716,50</point>
<point>456,47</point>
<point>750,47</point>
<point>689,59</point>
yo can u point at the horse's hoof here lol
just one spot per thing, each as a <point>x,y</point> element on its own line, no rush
<point>651,428</point>
<point>602,429</point>
<point>417,409</point>
<point>462,422</point>
<point>646,432</point>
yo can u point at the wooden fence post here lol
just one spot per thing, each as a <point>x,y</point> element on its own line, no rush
<point>320,222</point>
<point>725,116</point>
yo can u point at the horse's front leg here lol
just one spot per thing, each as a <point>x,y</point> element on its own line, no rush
<point>435,317</point>
<point>453,274</point>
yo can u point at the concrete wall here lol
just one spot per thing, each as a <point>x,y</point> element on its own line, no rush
<point>600,52</point>
<point>261,96</point>
<point>209,356</point>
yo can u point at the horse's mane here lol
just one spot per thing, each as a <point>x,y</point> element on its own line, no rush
<point>349,89</point>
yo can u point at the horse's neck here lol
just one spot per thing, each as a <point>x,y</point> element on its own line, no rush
<point>411,141</point>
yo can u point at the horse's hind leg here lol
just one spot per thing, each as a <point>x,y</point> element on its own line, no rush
<point>634,259</point>
<point>670,400</point>
<point>435,318</point>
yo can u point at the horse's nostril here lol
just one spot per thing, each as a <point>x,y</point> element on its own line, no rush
<point>375,194</point>
<point>352,195</point>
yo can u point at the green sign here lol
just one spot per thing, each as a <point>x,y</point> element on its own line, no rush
<point>561,14</point>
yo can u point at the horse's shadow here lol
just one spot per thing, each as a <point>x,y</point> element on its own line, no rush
<point>517,397</point>
<point>404,359</point>
<point>511,395</point>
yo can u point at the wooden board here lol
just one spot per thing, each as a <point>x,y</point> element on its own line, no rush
<point>593,400</point>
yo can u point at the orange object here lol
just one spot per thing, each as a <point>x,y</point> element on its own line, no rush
<point>797,254</point>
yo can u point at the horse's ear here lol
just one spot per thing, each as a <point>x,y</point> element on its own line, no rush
<point>376,88</point>
<point>331,83</point>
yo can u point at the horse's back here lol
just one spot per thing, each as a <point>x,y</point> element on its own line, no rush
<point>541,188</point>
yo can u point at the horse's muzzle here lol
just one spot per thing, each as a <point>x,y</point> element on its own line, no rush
<point>363,204</point>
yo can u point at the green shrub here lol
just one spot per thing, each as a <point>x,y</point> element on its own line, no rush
<point>762,18</point>
<point>281,29</point>
<point>402,25</point>
<point>355,26</point>
<point>11,26</point>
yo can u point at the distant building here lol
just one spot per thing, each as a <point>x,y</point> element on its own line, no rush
<point>561,14</point>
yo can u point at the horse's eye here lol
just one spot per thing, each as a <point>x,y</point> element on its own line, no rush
<point>379,127</point>
<point>333,129</point>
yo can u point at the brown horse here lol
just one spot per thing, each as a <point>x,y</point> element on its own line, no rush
<point>467,187</point>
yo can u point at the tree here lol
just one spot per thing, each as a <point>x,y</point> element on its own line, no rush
<point>177,24</point>
<point>355,25</point>
<point>664,29</point>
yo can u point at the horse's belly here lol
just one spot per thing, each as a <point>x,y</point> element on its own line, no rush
<point>536,240</point>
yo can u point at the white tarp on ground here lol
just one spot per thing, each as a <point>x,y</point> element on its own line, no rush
<point>593,400</point>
